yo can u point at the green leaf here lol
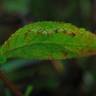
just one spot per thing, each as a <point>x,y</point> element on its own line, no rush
<point>29,90</point>
<point>46,39</point>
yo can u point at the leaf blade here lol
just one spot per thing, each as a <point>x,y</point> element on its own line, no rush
<point>41,40</point>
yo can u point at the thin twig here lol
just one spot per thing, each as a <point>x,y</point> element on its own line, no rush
<point>9,84</point>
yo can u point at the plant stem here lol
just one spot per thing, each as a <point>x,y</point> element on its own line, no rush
<point>10,85</point>
<point>57,65</point>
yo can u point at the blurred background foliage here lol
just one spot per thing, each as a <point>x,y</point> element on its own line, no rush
<point>79,76</point>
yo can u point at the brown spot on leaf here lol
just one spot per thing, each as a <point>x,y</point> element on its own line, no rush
<point>29,30</point>
<point>65,55</point>
<point>56,31</point>
<point>87,52</point>
<point>71,34</point>
<point>25,35</point>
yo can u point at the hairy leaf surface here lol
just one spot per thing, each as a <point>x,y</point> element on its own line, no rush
<point>46,39</point>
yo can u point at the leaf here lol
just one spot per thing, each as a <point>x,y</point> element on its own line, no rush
<point>46,39</point>
<point>29,90</point>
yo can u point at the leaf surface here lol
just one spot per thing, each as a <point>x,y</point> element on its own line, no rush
<point>42,40</point>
